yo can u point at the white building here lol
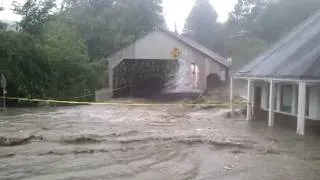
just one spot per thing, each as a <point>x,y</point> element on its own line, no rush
<point>145,57</point>
<point>286,78</point>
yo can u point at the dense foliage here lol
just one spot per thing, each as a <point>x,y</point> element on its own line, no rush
<point>202,26</point>
<point>59,52</point>
<point>252,27</point>
<point>108,25</point>
<point>22,64</point>
<point>260,23</point>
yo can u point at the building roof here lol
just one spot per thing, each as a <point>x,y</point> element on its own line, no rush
<point>193,45</point>
<point>198,47</point>
<point>296,56</point>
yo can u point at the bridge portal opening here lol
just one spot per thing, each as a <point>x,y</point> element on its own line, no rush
<point>213,81</point>
<point>142,77</point>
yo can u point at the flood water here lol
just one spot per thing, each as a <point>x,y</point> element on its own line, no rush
<point>160,142</point>
<point>186,78</point>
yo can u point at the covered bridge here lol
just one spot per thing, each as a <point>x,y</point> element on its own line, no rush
<point>147,64</point>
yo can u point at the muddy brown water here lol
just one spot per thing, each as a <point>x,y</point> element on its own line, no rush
<point>113,142</point>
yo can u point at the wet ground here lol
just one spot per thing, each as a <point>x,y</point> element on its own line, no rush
<point>160,142</point>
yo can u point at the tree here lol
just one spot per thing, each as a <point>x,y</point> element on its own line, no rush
<point>53,65</point>
<point>49,57</point>
<point>202,26</point>
<point>71,72</point>
<point>108,25</point>
<point>246,13</point>
<point>269,19</point>
<point>280,17</point>
<point>22,64</point>
<point>243,49</point>
<point>255,24</point>
<point>2,24</point>
<point>35,13</point>
<point>140,18</point>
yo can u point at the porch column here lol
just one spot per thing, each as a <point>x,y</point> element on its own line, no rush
<point>271,104</point>
<point>110,76</point>
<point>249,97</point>
<point>301,108</point>
<point>231,95</point>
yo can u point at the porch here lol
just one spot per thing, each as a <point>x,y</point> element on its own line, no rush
<point>279,99</point>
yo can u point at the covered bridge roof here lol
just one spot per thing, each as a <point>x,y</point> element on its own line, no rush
<point>198,47</point>
<point>296,56</point>
<point>189,43</point>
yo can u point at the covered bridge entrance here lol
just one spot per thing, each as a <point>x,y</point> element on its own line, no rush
<point>142,77</point>
<point>145,67</point>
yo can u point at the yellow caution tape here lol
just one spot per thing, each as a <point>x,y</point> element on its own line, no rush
<point>126,104</point>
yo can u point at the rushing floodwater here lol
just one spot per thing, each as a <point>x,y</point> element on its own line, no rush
<point>110,142</point>
<point>186,79</point>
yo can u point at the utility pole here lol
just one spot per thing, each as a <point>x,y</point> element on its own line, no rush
<point>176,28</point>
<point>4,92</point>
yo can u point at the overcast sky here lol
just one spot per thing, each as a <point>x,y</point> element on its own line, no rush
<point>175,11</point>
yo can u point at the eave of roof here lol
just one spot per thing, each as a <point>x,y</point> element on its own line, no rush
<point>296,56</point>
<point>199,48</point>
<point>192,44</point>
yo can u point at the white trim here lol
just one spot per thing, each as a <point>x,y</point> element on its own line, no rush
<point>231,95</point>
<point>249,97</point>
<point>279,79</point>
<point>301,108</point>
<point>271,103</point>
<point>290,114</point>
<point>280,112</point>
<point>311,118</point>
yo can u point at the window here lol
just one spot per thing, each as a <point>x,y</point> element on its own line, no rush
<point>222,68</point>
<point>275,104</point>
<point>223,74</point>
<point>296,91</point>
<point>286,98</point>
<point>307,101</point>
